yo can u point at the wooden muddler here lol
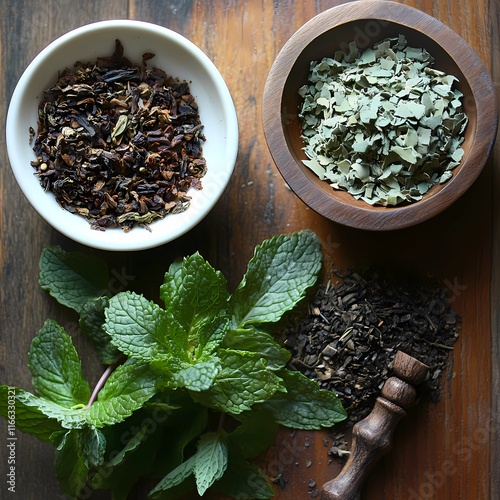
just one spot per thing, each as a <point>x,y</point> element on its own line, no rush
<point>372,436</point>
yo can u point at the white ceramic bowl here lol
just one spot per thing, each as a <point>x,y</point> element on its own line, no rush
<point>179,58</point>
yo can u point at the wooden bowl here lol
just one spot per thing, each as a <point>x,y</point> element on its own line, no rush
<point>368,22</point>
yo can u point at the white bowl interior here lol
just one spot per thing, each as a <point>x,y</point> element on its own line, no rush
<point>179,58</point>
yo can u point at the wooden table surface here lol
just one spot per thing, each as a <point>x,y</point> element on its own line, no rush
<point>447,451</point>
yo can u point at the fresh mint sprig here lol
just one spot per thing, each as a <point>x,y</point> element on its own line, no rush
<point>204,352</point>
<point>80,282</point>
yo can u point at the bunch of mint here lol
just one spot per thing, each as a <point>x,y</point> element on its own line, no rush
<point>175,373</point>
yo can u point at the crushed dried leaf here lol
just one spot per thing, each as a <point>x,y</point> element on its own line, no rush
<point>382,124</point>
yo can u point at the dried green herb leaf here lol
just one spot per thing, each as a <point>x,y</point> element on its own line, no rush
<point>120,127</point>
<point>386,107</point>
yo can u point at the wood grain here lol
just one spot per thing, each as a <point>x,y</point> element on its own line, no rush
<point>440,451</point>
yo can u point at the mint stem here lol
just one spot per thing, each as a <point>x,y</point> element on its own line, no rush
<point>100,383</point>
<point>221,421</point>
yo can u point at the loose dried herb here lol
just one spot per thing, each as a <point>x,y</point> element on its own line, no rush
<point>119,144</point>
<point>383,125</point>
<point>349,338</point>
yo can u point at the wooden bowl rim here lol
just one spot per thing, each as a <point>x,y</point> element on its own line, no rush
<point>464,57</point>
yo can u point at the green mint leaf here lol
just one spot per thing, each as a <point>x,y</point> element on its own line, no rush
<point>56,368</point>
<point>196,296</point>
<point>198,377</point>
<point>68,418</point>
<point>193,292</point>
<point>70,467</point>
<point>136,440</point>
<point>58,438</point>
<point>92,445</point>
<point>210,335</point>
<point>126,390</point>
<point>166,368</point>
<point>72,278</point>
<point>174,478</point>
<point>210,460</point>
<point>158,405</point>
<point>278,275</point>
<point>178,341</point>
<point>243,381</point>
<point>133,445</point>
<point>26,418</point>
<point>304,405</point>
<point>185,427</point>
<point>254,436</point>
<point>137,326</point>
<point>254,340</point>
<point>242,480</point>
<point>91,322</point>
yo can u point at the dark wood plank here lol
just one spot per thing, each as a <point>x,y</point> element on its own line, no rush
<point>25,29</point>
<point>492,422</point>
<point>440,450</point>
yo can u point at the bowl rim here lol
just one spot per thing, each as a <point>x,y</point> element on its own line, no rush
<point>462,54</point>
<point>94,238</point>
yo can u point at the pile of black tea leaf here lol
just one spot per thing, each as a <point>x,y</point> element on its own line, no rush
<point>350,336</point>
<point>119,144</point>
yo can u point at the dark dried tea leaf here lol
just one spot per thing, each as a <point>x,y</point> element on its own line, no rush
<point>119,144</point>
<point>350,337</point>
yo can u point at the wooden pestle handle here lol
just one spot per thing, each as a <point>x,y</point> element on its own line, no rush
<point>372,436</point>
